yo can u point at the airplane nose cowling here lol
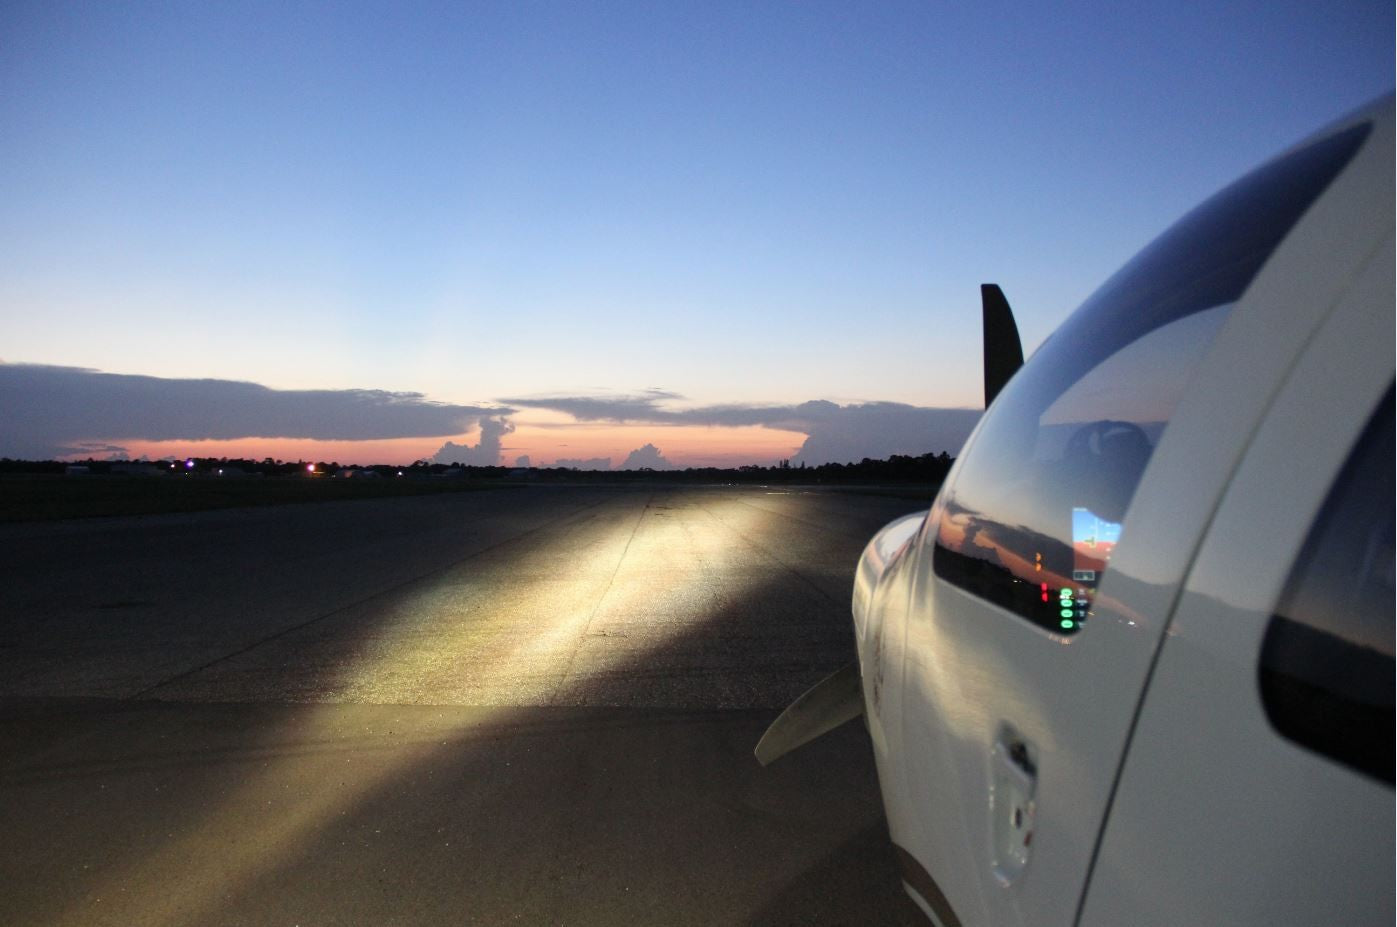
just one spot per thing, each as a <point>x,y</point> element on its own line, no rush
<point>887,545</point>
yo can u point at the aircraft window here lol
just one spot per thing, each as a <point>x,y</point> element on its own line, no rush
<point>1037,506</point>
<point>1326,670</point>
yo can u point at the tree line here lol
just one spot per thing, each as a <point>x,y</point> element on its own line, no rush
<point>899,468</point>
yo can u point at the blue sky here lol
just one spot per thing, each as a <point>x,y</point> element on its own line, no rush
<point>735,203</point>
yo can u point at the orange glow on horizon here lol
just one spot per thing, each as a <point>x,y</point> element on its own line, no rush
<point>394,451</point>
<point>546,443</point>
<point>545,438</point>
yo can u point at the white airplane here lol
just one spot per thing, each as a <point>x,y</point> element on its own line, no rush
<point>1135,665</point>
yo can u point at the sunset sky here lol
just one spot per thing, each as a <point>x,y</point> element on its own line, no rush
<point>731,232</point>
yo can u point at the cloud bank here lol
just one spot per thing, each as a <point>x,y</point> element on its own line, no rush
<point>50,411</point>
<point>834,433</point>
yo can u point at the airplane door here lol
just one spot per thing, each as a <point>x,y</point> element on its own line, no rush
<point>1259,784</point>
<point>1027,647</point>
<point>1050,563</point>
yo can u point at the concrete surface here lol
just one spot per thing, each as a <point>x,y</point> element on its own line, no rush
<point>529,706</point>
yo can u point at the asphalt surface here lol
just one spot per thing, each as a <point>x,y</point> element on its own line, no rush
<point>525,706</point>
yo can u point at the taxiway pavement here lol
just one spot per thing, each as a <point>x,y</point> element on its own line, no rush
<point>517,706</point>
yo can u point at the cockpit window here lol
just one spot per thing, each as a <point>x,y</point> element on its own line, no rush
<point>1326,668</point>
<point>1037,507</point>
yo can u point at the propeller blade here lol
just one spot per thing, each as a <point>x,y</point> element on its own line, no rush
<point>829,703</point>
<point>1003,351</point>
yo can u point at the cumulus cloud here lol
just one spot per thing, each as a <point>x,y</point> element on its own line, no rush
<point>648,456</point>
<point>523,461</point>
<point>834,433</point>
<point>49,411</point>
<point>577,463</point>
<point>485,453</point>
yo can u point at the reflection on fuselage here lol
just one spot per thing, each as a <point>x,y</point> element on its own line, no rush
<point>1023,570</point>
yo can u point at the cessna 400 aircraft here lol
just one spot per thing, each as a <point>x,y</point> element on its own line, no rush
<point>1135,666</point>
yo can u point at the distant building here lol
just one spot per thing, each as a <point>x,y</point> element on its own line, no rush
<point>138,468</point>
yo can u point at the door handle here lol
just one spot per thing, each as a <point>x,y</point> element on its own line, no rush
<point>1013,784</point>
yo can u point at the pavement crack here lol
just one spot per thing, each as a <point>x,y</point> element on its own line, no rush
<point>596,606</point>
